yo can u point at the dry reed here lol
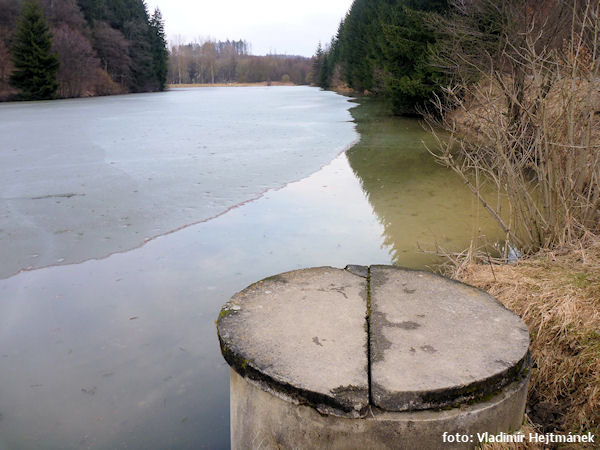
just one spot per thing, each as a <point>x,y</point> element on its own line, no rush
<point>557,293</point>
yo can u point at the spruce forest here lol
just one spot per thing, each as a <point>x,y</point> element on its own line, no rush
<point>383,47</point>
<point>73,48</point>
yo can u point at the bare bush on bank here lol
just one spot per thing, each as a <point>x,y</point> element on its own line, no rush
<point>523,114</point>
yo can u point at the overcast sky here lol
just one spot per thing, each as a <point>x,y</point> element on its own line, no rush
<point>293,28</point>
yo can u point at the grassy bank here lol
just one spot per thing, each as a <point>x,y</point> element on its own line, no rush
<point>557,293</point>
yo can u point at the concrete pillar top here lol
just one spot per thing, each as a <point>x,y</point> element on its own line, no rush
<point>381,337</point>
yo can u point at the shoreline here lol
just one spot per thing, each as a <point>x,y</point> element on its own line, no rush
<point>236,84</point>
<point>7,97</point>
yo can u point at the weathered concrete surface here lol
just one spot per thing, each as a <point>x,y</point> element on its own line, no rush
<point>438,343</point>
<point>443,357</point>
<point>261,420</point>
<point>303,334</point>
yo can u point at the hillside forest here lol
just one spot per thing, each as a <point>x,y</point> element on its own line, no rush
<point>80,48</point>
<point>383,48</point>
<point>74,48</point>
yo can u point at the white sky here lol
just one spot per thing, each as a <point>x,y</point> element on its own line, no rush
<point>277,26</point>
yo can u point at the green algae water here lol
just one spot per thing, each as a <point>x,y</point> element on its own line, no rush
<point>145,235</point>
<point>421,206</point>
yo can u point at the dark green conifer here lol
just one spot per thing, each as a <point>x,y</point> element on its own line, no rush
<point>383,46</point>
<point>317,66</point>
<point>36,67</point>
<point>324,72</point>
<point>160,54</point>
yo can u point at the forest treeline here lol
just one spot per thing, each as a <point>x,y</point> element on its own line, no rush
<point>383,47</point>
<point>80,48</point>
<point>209,61</point>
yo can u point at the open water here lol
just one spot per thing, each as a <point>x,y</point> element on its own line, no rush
<point>126,222</point>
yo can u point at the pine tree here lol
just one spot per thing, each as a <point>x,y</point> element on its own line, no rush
<point>317,66</point>
<point>383,46</point>
<point>160,54</point>
<point>36,67</point>
<point>324,72</point>
<point>131,19</point>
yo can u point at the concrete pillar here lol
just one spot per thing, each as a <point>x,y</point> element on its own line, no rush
<point>371,357</point>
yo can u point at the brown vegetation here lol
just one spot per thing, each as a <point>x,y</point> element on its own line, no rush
<point>557,293</point>
<point>522,118</point>
<point>211,62</point>
<point>79,71</point>
<point>10,11</point>
<point>531,111</point>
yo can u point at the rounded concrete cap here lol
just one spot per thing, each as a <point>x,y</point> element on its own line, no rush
<point>302,334</point>
<point>395,339</point>
<point>436,342</point>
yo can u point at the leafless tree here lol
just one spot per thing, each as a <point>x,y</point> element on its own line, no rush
<point>522,115</point>
<point>64,12</point>
<point>79,65</point>
<point>113,50</point>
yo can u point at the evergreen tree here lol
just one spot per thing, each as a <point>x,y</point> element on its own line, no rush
<point>317,66</point>
<point>129,18</point>
<point>359,46</point>
<point>411,80</point>
<point>383,46</point>
<point>36,67</point>
<point>160,54</point>
<point>137,32</point>
<point>324,72</point>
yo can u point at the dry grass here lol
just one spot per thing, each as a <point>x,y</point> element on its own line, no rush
<point>557,293</point>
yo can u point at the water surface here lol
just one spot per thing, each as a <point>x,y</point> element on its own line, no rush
<point>421,205</point>
<point>83,178</point>
<point>119,350</point>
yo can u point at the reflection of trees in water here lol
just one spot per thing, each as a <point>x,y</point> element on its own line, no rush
<point>418,202</point>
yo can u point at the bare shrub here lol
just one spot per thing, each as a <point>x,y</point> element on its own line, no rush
<point>6,67</point>
<point>105,85</point>
<point>79,64</point>
<point>522,115</point>
<point>114,51</point>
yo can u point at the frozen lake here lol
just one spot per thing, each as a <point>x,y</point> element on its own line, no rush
<point>84,178</point>
<point>126,222</point>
